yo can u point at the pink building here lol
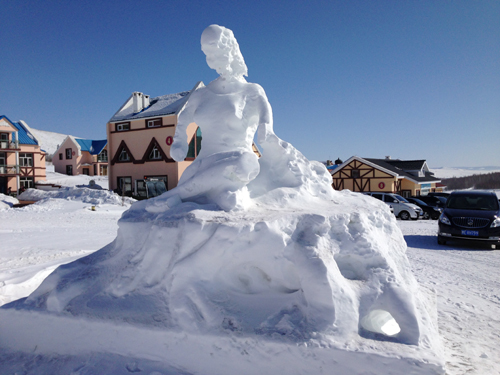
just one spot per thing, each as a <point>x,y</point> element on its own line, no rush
<point>139,137</point>
<point>22,162</point>
<point>81,156</point>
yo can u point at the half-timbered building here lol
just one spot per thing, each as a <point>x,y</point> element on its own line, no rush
<point>405,177</point>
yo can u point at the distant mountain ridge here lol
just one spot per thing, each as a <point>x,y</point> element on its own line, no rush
<point>450,172</point>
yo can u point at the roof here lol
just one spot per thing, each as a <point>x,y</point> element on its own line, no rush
<point>160,106</point>
<point>400,167</point>
<point>92,146</point>
<point>24,134</point>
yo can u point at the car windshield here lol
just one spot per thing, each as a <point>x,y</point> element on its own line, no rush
<point>418,201</point>
<point>473,202</point>
<point>401,199</point>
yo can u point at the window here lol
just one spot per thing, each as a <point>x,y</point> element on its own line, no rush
<point>104,170</point>
<point>4,136</point>
<point>155,154</point>
<point>124,156</point>
<point>25,160</point>
<point>378,196</point>
<point>60,156</point>
<point>69,170</point>
<point>103,156</point>
<point>125,184</point>
<point>26,182</point>
<point>153,123</point>
<point>195,145</point>
<point>355,173</point>
<point>124,126</point>
<point>69,153</point>
<point>86,171</point>
<point>95,169</point>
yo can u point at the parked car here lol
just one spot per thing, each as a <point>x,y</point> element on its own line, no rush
<point>433,201</point>
<point>439,194</point>
<point>402,208</point>
<point>429,211</point>
<point>472,216</point>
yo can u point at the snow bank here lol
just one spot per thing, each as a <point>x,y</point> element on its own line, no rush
<point>86,195</point>
<point>6,201</point>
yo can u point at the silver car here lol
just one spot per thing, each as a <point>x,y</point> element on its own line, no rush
<point>402,208</point>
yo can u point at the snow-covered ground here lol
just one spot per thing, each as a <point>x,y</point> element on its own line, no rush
<point>38,238</point>
<point>53,177</point>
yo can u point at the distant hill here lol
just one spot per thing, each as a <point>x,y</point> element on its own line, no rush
<point>49,141</point>
<point>477,181</point>
<point>449,172</point>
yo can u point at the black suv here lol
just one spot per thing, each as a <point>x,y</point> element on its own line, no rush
<point>471,215</point>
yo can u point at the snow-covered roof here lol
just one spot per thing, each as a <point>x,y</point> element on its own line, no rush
<point>159,106</point>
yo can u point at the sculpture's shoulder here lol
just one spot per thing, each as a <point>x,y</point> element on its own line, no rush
<point>254,89</point>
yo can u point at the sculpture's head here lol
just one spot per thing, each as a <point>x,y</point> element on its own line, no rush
<point>223,52</point>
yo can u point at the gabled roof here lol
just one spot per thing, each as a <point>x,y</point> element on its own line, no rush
<point>401,167</point>
<point>160,106</point>
<point>24,134</point>
<point>92,146</point>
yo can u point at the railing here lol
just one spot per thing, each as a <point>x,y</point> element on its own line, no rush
<point>102,159</point>
<point>9,145</point>
<point>9,170</point>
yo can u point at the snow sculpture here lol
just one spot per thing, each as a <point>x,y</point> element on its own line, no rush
<point>259,253</point>
<point>229,111</point>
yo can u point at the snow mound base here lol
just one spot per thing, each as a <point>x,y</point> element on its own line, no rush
<point>331,275</point>
<point>84,194</point>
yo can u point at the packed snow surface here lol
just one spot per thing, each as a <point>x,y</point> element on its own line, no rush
<point>256,265</point>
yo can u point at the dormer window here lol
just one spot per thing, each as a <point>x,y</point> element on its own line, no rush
<point>155,154</point>
<point>124,126</point>
<point>103,156</point>
<point>124,156</point>
<point>154,123</point>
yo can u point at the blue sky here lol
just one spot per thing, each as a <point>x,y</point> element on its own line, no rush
<point>410,79</point>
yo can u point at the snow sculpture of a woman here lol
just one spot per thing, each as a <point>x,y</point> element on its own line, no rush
<point>229,111</point>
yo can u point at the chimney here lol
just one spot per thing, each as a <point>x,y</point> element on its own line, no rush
<point>145,101</point>
<point>137,102</point>
<point>388,157</point>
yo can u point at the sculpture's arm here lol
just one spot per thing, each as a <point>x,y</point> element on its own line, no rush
<point>179,147</point>
<point>265,127</point>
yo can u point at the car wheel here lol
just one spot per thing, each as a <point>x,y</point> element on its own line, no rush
<point>404,215</point>
<point>426,216</point>
<point>441,241</point>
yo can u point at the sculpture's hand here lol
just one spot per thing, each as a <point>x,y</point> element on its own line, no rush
<point>179,148</point>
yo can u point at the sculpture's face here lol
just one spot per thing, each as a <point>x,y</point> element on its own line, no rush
<point>222,51</point>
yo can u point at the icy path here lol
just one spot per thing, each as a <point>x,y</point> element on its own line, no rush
<point>467,280</point>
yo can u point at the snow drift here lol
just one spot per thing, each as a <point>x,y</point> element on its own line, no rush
<point>250,256</point>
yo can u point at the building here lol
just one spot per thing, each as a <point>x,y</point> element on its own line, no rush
<point>139,137</point>
<point>22,162</point>
<point>405,177</point>
<point>81,156</point>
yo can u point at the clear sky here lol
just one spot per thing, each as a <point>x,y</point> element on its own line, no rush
<point>409,79</point>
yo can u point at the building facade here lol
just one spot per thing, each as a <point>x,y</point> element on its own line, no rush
<point>81,156</point>
<point>139,138</point>
<point>404,177</point>
<point>22,162</point>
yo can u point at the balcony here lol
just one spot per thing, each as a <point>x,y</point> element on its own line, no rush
<point>9,145</point>
<point>9,170</point>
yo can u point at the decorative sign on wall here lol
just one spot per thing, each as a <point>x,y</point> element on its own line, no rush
<point>169,140</point>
